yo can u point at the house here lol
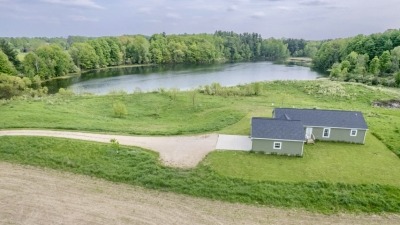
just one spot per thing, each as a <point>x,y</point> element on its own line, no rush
<point>289,128</point>
<point>279,136</point>
<point>328,125</point>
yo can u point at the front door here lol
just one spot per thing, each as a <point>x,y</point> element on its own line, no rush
<point>308,132</point>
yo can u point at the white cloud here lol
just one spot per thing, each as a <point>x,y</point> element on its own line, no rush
<point>144,9</point>
<point>258,15</point>
<point>313,2</point>
<point>81,18</point>
<point>232,8</point>
<point>79,3</point>
<point>173,16</point>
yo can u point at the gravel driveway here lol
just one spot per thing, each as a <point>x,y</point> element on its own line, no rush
<point>177,151</point>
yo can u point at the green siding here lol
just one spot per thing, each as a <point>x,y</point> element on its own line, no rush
<point>337,134</point>
<point>288,147</point>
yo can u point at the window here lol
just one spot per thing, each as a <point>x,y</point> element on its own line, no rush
<point>326,132</point>
<point>353,132</point>
<point>277,145</point>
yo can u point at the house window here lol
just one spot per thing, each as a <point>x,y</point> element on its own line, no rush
<point>277,145</point>
<point>353,132</point>
<point>326,133</point>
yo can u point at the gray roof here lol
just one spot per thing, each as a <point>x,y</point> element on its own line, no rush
<point>324,118</point>
<point>283,129</point>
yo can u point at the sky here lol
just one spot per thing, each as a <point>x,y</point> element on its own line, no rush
<point>308,19</point>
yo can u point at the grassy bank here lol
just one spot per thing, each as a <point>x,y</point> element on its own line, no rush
<point>139,167</point>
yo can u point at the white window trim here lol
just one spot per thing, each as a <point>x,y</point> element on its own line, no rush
<point>329,132</point>
<point>351,132</point>
<point>277,142</point>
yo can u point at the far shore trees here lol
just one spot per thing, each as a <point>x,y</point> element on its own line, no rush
<point>372,59</point>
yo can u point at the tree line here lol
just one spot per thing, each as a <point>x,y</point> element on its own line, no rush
<point>25,62</point>
<point>372,59</point>
<point>48,58</point>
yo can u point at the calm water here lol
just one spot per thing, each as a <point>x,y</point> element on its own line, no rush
<point>183,77</point>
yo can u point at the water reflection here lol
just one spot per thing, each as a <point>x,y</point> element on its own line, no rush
<point>183,77</point>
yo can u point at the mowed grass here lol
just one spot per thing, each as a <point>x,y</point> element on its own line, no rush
<point>330,162</point>
<point>140,167</point>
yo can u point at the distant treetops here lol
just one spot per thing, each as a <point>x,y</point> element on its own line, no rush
<point>53,57</point>
<point>372,59</point>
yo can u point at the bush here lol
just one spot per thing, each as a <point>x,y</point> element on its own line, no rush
<point>65,92</point>
<point>11,86</point>
<point>242,90</point>
<point>333,89</point>
<point>115,144</point>
<point>120,110</point>
<point>397,79</point>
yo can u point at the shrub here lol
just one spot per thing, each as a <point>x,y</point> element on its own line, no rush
<point>397,79</point>
<point>115,144</point>
<point>333,89</point>
<point>65,92</point>
<point>120,109</point>
<point>11,86</point>
<point>241,90</point>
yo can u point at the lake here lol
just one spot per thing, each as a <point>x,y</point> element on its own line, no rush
<point>183,77</point>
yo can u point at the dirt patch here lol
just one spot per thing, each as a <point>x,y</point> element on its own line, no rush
<point>177,151</point>
<point>30,195</point>
<point>395,104</point>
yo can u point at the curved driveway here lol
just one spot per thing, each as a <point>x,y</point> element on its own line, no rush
<point>177,151</point>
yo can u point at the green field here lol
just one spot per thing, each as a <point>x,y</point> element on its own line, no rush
<point>148,114</point>
<point>331,177</point>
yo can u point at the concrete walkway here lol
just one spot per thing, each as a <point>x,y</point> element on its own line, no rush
<point>233,142</point>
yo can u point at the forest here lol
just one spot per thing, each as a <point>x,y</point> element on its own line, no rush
<point>372,59</point>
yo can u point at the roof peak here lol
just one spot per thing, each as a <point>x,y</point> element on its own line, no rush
<point>275,119</point>
<point>315,109</point>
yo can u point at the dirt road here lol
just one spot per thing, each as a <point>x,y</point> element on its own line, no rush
<point>30,195</point>
<point>178,151</point>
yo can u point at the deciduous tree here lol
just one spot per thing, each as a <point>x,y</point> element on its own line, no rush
<point>5,65</point>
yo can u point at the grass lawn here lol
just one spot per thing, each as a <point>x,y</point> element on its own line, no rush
<point>331,177</point>
<point>371,163</point>
<point>148,114</point>
<point>140,167</point>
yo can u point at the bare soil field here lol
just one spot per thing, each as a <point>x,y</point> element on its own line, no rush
<point>30,195</point>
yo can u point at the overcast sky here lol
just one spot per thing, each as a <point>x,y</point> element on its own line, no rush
<point>309,19</point>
